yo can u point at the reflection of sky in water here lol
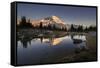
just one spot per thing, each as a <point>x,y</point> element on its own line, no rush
<point>46,50</point>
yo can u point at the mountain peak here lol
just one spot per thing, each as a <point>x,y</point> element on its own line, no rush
<point>54,16</point>
<point>57,19</point>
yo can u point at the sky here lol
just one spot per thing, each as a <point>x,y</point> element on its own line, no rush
<point>69,14</point>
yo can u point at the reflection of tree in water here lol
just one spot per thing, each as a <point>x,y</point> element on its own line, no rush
<point>26,35</point>
<point>25,41</point>
<point>79,42</point>
<point>41,39</point>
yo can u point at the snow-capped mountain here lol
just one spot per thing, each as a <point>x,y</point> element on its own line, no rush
<point>52,20</point>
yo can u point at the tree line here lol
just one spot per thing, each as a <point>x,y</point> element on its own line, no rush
<point>24,23</point>
<point>81,28</point>
<point>27,24</point>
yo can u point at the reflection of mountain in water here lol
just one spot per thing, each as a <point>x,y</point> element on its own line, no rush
<point>78,40</point>
<point>52,41</point>
<point>45,36</point>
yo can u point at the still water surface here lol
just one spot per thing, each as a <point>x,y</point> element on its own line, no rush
<point>48,50</point>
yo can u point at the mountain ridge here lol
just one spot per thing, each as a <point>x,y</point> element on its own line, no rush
<point>53,20</point>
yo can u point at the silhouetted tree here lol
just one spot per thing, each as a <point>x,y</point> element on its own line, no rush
<point>72,28</point>
<point>49,27</point>
<point>41,25</point>
<point>24,23</point>
<point>92,28</point>
<point>54,27</point>
<point>80,28</point>
<point>86,29</point>
<point>23,20</point>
